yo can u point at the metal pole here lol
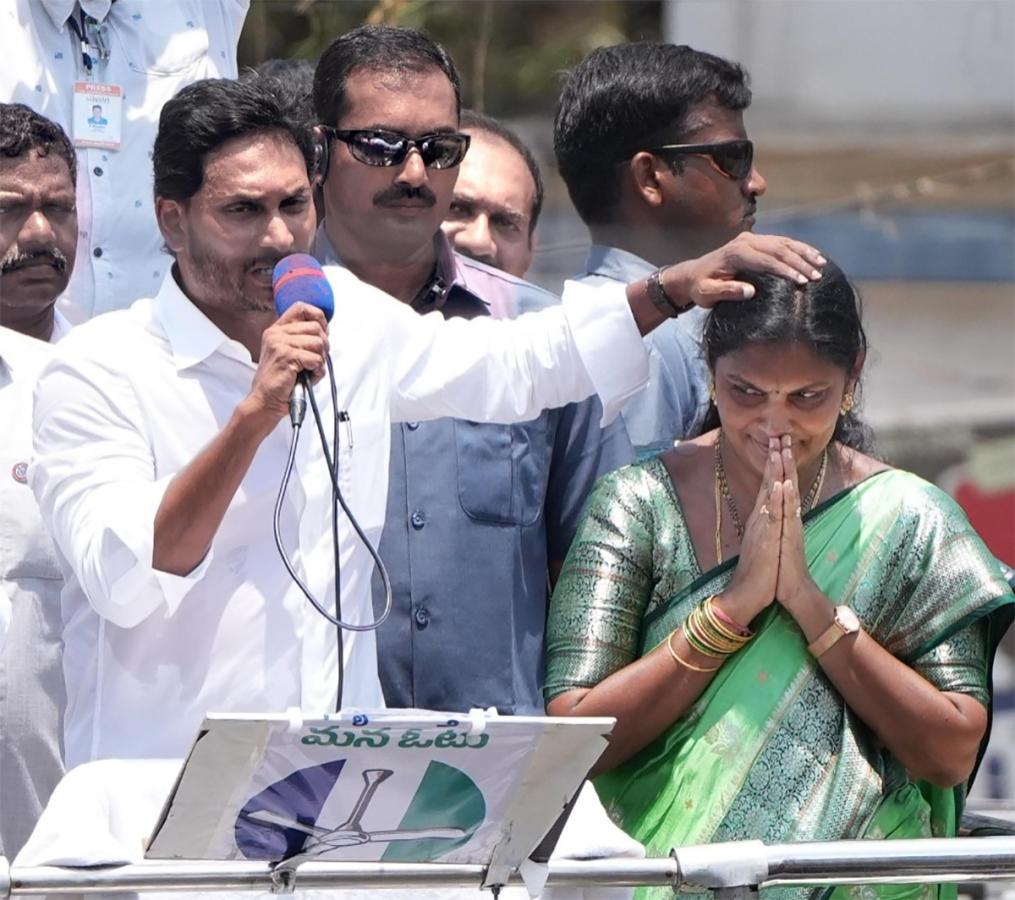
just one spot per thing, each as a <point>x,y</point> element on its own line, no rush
<point>733,869</point>
<point>253,876</point>
<point>918,861</point>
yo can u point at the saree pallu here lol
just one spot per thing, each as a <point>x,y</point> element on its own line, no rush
<point>769,750</point>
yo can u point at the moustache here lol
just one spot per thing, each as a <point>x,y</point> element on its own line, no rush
<point>17,259</point>
<point>399,193</point>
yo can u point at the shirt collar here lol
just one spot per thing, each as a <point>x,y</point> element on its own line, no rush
<point>620,265</point>
<point>192,336</point>
<point>17,349</point>
<point>60,10</point>
<point>446,269</point>
<point>61,326</point>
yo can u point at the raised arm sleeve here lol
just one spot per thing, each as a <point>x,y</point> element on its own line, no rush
<point>498,370</point>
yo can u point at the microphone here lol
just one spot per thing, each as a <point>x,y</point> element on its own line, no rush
<point>299,278</point>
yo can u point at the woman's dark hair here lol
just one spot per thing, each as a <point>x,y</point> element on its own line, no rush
<point>375,48</point>
<point>206,114</point>
<point>825,315</point>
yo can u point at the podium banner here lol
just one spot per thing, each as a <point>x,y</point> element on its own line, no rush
<point>388,786</point>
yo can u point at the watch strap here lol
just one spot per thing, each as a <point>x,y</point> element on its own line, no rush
<point>660,299</point>
<point>828,638</point>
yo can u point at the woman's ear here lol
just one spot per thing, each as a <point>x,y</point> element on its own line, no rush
<point>854,376</point>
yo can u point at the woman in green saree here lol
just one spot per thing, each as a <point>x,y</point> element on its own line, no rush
<point>856,702</point>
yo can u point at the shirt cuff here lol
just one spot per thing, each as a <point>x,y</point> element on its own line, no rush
<point>608,342</point>
<point>135,589</point>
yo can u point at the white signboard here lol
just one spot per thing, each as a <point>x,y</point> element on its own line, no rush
<point>391,786</point>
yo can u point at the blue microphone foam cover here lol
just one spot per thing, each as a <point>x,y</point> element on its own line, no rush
<point>299,278</point>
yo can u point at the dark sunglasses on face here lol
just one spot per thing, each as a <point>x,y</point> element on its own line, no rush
<point>733,159</point>
<point>441,150</point>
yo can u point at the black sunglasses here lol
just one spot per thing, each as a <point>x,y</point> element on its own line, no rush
<point>441,150</point>
<point>733,159</point>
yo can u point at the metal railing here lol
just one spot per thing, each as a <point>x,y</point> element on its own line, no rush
<point>730,870</point>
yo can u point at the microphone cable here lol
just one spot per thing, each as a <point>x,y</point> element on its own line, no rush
<point>296,415</point>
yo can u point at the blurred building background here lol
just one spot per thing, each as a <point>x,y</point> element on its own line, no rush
<point>886,132</point>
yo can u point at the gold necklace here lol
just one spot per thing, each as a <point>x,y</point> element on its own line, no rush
<point>816,485</point>
<point>723,492</point>
<point>723,487</point>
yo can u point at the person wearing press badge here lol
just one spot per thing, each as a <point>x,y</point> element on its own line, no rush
<point>162,432</point>
<point>102,70</point>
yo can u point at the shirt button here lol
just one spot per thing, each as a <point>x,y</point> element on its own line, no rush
<point>418,520</point>
<point>422,617</point>
<point>97,170</point>
<point>412,426</point>
<point>97,252</point>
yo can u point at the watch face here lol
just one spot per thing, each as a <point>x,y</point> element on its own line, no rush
<point>846,619</point>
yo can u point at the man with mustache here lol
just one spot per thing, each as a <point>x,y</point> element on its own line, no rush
<point>38,232</point>
<point>38,221</point>
<point>469,504</point>
<point>650,141</point>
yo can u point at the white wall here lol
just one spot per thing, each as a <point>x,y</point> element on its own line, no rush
<point>902,63</point>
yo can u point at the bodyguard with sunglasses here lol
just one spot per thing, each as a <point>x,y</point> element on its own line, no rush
<point>650,140</point>
<point>469,503</point>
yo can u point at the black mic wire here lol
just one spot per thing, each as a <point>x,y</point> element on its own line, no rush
<point>338,500</point>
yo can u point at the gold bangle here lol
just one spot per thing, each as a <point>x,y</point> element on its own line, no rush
<point>719,626</point>
<point>707,628</point>
<point>701,642</point>
<point>742,631</point>
<point>716,642</point>
<point>683,662</point>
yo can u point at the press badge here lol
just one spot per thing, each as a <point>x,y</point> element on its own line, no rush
<point>98,115</point>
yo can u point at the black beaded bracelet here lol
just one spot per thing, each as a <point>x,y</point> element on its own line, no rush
<point>663,301</point>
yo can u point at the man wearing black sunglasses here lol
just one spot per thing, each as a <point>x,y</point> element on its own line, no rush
<point>650,140</point>
<point>468,503</point>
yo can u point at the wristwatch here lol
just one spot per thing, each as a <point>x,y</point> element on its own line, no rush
<point>845,622</point>
<point>663,301</point>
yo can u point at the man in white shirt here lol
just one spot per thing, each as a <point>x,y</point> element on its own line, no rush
<point>38,221</point>
<point>162,433</point>
<point>31,679</point>
<point>62,58</point>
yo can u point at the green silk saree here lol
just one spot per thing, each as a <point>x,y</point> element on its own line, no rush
<point>769,750</point>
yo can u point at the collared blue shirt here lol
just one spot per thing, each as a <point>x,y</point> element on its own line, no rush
<point>674,403</point>
<point>475,514</point>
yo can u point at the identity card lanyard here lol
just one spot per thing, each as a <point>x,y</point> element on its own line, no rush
<point>98,106</point>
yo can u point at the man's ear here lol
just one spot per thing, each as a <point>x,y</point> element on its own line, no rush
<point>322,155</point>
<point>171,216</point>
<point>644,172</point>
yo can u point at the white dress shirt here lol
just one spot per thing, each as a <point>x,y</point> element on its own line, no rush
<point>131,397</point>
<point>156,47</point>
<point>61,327</point>
<point>31,680</point>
